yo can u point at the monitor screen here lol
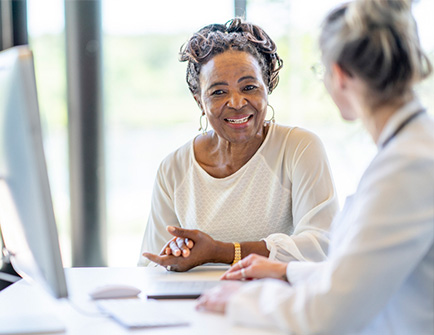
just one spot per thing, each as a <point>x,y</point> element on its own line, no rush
<point>27,218</point>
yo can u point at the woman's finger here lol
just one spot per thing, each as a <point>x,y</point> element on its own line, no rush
<point>234,275</point>
<point>182,232</point>
<point>233,269</point>
<point>238,271</point>
<point>164,250</point>
<point>189,243</point>
<point>182,246</point>
<point>244,269</point>
<point>239,274</point>
<point>160,260</point>
<point>175,249</point>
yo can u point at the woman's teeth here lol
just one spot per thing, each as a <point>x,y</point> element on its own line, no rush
<point>244,119</point>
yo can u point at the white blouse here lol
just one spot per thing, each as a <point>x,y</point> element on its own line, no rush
<point>379,277</point>
<point>285,189</point>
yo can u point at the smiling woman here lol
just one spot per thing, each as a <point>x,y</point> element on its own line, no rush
<point>245,173</point>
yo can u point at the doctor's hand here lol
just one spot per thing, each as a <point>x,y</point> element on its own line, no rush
<point>217,298</point>
<point>255,267</point>
<point>206,250</point>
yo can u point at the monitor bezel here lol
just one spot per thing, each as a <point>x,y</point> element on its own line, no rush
<point>19,233</point>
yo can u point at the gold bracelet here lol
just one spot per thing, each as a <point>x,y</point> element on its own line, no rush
<point>237,255</point>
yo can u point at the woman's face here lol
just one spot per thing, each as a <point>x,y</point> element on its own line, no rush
<point>233,95</point>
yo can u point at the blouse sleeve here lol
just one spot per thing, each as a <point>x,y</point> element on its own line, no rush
<point>314,201</point>
<point>162,215</point>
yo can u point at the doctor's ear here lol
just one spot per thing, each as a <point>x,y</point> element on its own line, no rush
<point>341,75</point>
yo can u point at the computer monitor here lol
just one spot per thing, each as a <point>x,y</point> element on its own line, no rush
<point>27,218</point>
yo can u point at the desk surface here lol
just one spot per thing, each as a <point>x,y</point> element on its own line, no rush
<point>22,297</point>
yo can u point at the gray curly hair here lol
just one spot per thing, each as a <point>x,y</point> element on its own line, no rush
<point>235,34</point>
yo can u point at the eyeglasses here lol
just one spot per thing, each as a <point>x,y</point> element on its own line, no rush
<point>318,70</point>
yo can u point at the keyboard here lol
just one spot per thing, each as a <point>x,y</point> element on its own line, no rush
<point>139,313</point>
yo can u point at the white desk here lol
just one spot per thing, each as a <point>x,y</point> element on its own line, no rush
<point>24,298</point>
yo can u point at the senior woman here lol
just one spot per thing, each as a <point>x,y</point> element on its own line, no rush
<point>378,278</point>
<point>247,179</point>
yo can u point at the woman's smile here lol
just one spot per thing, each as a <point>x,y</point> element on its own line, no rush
<point>239,121</point>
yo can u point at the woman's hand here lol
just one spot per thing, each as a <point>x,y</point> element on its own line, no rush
<point>177,246</point>
<point>255,267</point>
<point>216,299</point>
<point>206,250</point>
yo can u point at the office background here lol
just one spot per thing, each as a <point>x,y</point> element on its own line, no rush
<point>147,111</point>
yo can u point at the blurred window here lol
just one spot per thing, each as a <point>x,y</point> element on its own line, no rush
<point>149,111</point>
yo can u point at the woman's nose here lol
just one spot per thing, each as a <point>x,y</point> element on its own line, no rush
<point>236,100</point>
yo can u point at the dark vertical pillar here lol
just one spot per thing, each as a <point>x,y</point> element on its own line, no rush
<point>240,7</point>
<point>86,145</point>
<point>19,14</point>
<point>13,23</point>
<point>4,24</point>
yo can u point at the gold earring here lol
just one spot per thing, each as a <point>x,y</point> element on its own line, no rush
<point>204,130</point>
<point>271,120</point>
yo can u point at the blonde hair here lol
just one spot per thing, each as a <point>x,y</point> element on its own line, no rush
<point>377,41</point>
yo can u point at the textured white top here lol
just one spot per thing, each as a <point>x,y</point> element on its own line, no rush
<point>286,187</point>
<point>379,275</point>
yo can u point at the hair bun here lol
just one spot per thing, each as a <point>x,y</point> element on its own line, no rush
<point>364,16</point>
<point>377,41</point>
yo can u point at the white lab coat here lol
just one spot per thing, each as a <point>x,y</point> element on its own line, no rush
<point>379,277</point>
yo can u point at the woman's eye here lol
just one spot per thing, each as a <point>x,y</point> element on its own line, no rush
<point>217,92</point>
<point>249,87</point>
